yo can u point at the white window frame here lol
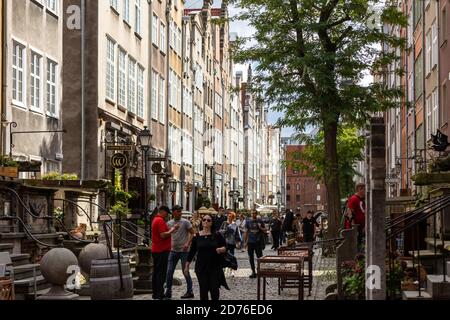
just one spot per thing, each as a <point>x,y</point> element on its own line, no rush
<point>50,84</point>
<point>126,11</point>
<point>435,110</point>
<point>429,116</point>
<point>36,77</point>
<point>428,50</point>
<point>162,37</point>
<point>434,44</point>
<point>155,24</point>
<point>131,103</point>
<point>114,4</point>
<point>52,6</point>
<point>137,17</point>
<point>19,70</point>
<point>110,74</point>
<point>162,100</point>
<point>140,94</point>
<point>154,96</point>
<point>122,78</point>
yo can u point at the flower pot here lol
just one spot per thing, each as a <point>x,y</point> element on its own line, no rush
<point>71,183</point>
<point>51,183</point>
<point>10,172</point>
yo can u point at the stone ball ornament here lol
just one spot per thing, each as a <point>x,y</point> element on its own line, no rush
<point>93,251</point>
<point>55,265</point>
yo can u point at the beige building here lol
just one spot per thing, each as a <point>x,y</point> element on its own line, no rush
<point>33,79</point>
<point>106,87</point>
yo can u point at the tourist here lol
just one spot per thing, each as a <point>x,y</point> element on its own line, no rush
<point>181,242</point>
<point>208,246</point>
<point>241,225</point>
<point>254,240</point>
<point>161,246</point>
<point>231,233</point>
<point>357,207</point>
<point>309,225</point>
<point>282,233</point>
<point>275,229</point>
<point>220,218</point>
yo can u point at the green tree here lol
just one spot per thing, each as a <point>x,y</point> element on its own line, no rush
<point>311,160</point>
<point>310,58</point>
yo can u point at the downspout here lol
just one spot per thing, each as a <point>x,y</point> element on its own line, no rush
<point>83,88</point>
<point>438,69</point>
<point>183,57</point>
<point>424,98</point>
<point>167,156</point>
<point>4,73</point>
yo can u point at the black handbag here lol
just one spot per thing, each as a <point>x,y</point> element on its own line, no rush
<point>229,261</point>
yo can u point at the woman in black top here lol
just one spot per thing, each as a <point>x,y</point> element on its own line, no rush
<point>208,246</point>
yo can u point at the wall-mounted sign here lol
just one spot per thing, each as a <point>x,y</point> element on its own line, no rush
<point>119,161</point>
<point>120,148</point>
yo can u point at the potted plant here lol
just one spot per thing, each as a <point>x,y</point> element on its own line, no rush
<point>52,179</point>
<point>70,180</point>
<point>58,214</point>
<point>9,168</point>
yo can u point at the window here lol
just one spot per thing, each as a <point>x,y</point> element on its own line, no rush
<point>418,76</point>
<point>318,187</point>
<point>162,94</point>
<point>131,85</point>
<point>444,25</point>
<point>288,198</point>
<point>137,18</point>
<point>417,12</point>
<point>429,117</point>
<point>428,52</point>
<point>155,29</point>
<point>297,187</point>
<point>114,4</point>
<point>178,93</point>
<point>288,187</point>
<point>319,198</point>
<point>122,78</point>
<point>155,78</point>
<point>19,78</point>
<point>110,69</point>
<point>51,87</point>
<point>140,92</point>
<point>180,39</point>
<point>297,198</point>
<point>444,105</point>
<point>36,81</point>
<point>170,88</point>
<point>162,37</point>
<point>435,106</point>
<point>52,5</point>
<point>126,11</point>
<point>435,48</point>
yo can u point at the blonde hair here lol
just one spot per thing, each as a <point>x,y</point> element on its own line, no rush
<point>232,215</point>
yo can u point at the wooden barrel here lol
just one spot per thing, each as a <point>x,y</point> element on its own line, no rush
<point>105,280</point>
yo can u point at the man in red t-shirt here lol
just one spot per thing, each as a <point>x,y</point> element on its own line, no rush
<point>357,207</point>
<point>161,246</point>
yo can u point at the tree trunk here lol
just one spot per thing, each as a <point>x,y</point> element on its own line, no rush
<point>332,177</point>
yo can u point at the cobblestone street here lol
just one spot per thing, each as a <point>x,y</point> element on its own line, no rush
<point>244,288</point>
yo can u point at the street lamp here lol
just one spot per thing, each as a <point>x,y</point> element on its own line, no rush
<point>279,201</point>
<point>173,188</point>
<point>144,143</point>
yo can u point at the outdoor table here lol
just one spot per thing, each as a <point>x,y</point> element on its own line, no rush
<point>307,253</point>
<point>281,267</point>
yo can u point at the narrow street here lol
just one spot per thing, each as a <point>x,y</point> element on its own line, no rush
<point>244,288</point>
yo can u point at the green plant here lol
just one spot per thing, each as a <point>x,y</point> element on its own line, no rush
<point>58,176</point>
<point>8,162</point>
<point>120,209</point>
<point>51,176</point>
<point>152,197</point>
<point>69,177</point>
<point>58,213</point>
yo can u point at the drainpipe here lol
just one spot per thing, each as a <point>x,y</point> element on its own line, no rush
<point>168,10</point>
<point>438,69</point>
<point>4,73</point>
<point>83,87</point>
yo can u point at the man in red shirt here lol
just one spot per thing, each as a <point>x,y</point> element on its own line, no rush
<point>357,207</point>
<point>161,246</point>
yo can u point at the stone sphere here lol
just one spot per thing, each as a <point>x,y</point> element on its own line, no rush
<point>93,251</point>
<point>55,265</point>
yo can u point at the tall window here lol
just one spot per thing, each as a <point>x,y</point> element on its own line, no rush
<point>418,77</point>
<point>140,92</point>
<point>155,29</point>
<point>429,117</point>
<point>162,37</point>
<point>428,52</point>
<point>122,78</point>
<point>137,17</point>
<point>298,187</point>
<point>126,10</point>
<point>131,85</point>
<point>435,106</point>
<point>36,81</point>
<point>162,95</point>
<point>435,48</point>
<point>52,5</point>
<point>19,78</point>
<point>114,4</point>
<point>110,69</point>
<point>155,79</point>
<point>51,87</point>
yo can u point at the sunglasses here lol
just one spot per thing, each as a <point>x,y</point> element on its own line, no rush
<point>207,220</point>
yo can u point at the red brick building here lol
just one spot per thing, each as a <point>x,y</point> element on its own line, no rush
<point>302,191</point>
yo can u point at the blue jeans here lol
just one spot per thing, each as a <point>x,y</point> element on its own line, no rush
<point>174,257</point>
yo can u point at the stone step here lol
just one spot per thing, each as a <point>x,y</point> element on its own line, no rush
<point>426,254</point>
<point>26,271</point>
<point>414,295</point>
<point>12,235</point>
<point>19,259</point>
<point>6,247</point>
<point>437,288</point>
<point>431,242</point>
<point>27,285</point>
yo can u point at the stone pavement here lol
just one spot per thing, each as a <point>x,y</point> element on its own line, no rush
<point>244,288</point>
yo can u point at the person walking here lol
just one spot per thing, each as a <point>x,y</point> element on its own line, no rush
<point>241,225</point>
<point>275,229</point>
<point>208,246</point>
<point>181,242</point>
<point>309,225</point>
<point>357,208</point>
<point>220,217</point>
<point>254,240</point>
<point>230,231</point>
<point>161,247</point>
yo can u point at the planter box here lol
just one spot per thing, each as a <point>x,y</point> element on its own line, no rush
<point>71,183</point>
<point>10,172</point>
<point>51,183</point>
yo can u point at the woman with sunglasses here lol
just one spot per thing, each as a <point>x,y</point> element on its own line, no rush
<point>208,246</point>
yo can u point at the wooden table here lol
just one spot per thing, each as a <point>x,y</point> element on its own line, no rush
<point>6,289</point>
<point>281,267</point>
<point>307,253</point>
